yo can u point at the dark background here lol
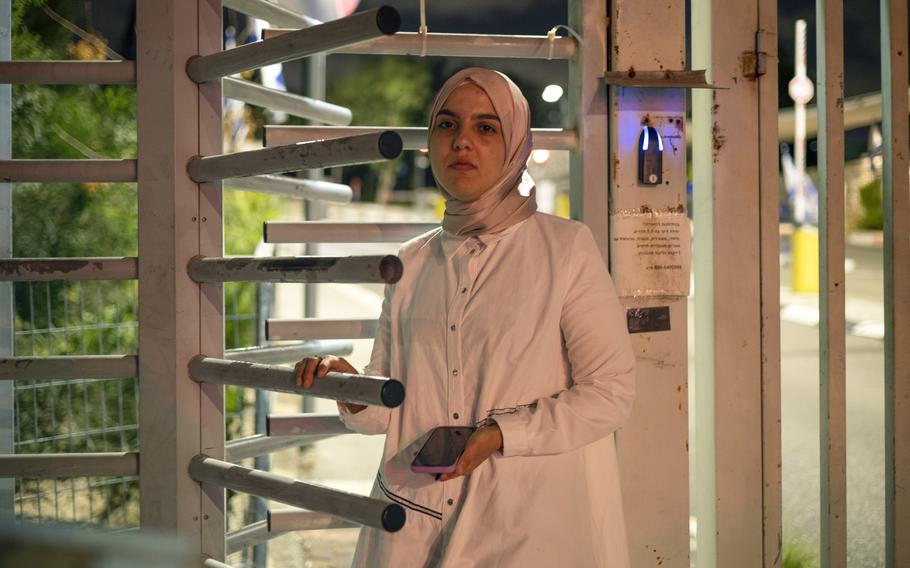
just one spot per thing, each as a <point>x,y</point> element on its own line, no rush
<point>113,19</point>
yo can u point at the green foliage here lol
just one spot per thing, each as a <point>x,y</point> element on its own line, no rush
<point>798,555</point>
<point>386,91</point>
<point>393,91</point>
<point>870,196</point>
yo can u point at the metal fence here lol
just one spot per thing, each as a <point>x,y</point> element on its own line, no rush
<point>100,415</point>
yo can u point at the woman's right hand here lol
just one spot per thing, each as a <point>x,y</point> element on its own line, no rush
<point>309,369</point>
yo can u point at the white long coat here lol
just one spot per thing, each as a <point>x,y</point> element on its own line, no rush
<point>523,327</point>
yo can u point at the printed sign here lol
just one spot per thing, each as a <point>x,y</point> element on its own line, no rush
<point>651,254</point>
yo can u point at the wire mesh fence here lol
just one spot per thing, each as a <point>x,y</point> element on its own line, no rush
<point>99,415</point>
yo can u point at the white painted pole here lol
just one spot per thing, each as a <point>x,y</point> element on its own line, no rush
<point>312,269</point>
<point>358,28</point>
<point>357,508</point>
<point>358,389</point>
<point>799,114</point>
<point>179,318</point>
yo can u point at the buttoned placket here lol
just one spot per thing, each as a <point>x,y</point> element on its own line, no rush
<point>464,263</point>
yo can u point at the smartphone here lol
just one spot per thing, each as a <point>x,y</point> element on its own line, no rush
<point>442,449</point>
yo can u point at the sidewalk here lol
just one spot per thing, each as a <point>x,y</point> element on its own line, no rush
<point>864,318</point>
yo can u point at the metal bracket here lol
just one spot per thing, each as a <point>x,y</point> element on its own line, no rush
<point>756,66</point>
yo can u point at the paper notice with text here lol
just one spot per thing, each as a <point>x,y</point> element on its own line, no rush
<point>651,254</point>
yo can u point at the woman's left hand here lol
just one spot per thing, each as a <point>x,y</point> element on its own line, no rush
<point>482,444</point>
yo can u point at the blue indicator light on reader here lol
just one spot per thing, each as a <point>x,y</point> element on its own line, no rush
<point>650,156</point>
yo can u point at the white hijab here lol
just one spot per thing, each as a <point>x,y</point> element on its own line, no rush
<point>503,204</point>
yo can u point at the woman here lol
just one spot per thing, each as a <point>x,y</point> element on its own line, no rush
<point>505,319</point>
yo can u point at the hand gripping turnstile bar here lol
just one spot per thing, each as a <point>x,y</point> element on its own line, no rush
<point>373,147</point>
<point>310,269</point>
<point>357,508</point>
<point>360,27</point>
<point>358,389</point>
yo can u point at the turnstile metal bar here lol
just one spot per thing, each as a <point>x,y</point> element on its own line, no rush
<point>357,508</point>
<point>279,522</point>
<point>361,149</point>
<point>77,367</point>
<point>261,444</point>
<point>277,354</point>
<point>300,188</point>
<point>311,269</point>
<point>68,72</point>
<point>459,45</point>
<point>117,464</point>
<point>360,27</point>
<point>271,12</point>
<point>413,137</point>
<point>275,100</point>
<point>326,232</point>
<point>83,170</point>
<point>304,424</point>
<point>76,268</point>
<point>320,328</point>
<point>344,387</point>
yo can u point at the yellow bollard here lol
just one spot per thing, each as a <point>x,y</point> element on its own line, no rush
<point>562,205</point>
<point>439,206</point>
<point>804,260</point>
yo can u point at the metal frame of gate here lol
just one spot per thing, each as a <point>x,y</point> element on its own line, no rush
<point>180,170</point>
